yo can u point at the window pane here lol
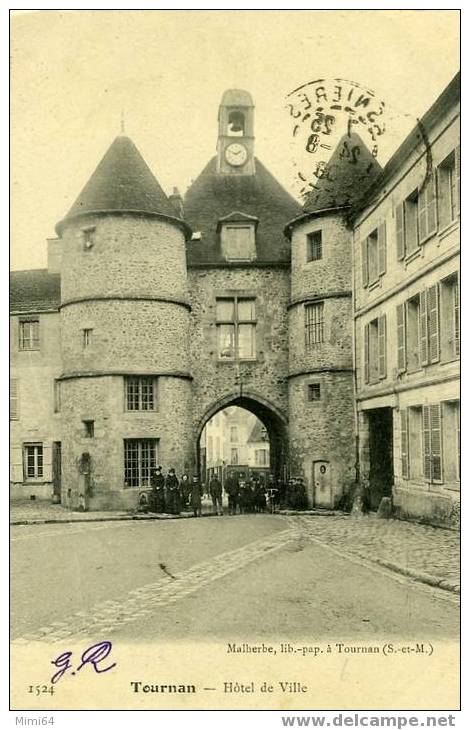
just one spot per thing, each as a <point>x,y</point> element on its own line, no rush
<point>226,340</point>
<point>246,310</point>
<point>237,242</point>
<point>246,340</point>
<point>225,310</point>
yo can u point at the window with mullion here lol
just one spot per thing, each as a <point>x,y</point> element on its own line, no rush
<point>314,314</point>
<point>236,323</point>
<point>139,460</point>
<point>140,395</point>
<point>29,334</point>
<point>33,461</point>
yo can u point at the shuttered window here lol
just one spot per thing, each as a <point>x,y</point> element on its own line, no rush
<point>382,246</point>
<point>401,338</point>
<point>238,242</point>
<point>400,231</point>
<point>456,318</point>
<point>374,255</point>
<point>432,443</point>
<point>365,263</point>
<point>405,460</point>
<point>375,350</point>
<point>432,301</point>
<point>14,399</point>
<point>382,346</point>
<point>366,353</point>
<point>427,208</point>
<point>448,189</point>
<point>423,329</point>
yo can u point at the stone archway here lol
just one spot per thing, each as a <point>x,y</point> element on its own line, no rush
<point>272,418</point>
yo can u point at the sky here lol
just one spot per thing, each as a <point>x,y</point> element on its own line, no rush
<point>74,73</point>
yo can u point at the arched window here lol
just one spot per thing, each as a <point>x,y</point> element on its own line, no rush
<point>236,124</point>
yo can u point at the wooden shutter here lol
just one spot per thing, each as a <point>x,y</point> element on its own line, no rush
<point>16,464</point>
<point>382,346</point>
<point>14,399</point>
<point>457,175</point>
<point>405,460</point>
<point>443,196</point>
<point>423,329</point>
<point>366,353</point>
<point>400,224</point>
<point>422,214</point>
<point>431,203</point>
<point>426,443</point>
<point>47,462</point>
<point>401,339</point>
<point>436,442</point>
<point>365,263</point>
<point>432,442</point>
<point>382,246</point>
<point>456,318</point>
<point>432,301</point>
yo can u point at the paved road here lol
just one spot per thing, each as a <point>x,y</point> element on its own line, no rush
<point>245,577</point>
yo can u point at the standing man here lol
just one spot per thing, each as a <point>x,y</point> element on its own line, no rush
<point>215,490</point>
<point>196,496</point>
<point>231,487</point>
<point>173,493</point>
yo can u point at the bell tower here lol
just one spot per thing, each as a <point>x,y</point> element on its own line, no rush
<point>235,143</point>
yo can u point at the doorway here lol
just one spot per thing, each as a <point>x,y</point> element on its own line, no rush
<point>381,455</point>
<point>56,470</point>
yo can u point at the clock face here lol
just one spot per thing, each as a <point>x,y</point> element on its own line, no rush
<point>236,154</point>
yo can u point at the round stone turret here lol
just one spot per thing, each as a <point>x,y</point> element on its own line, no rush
<point>125,324</point>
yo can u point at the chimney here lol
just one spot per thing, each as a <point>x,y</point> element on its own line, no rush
<point>54,255</point>
<point>177,202</point>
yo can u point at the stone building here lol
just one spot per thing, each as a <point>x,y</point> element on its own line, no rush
<point>406,244</point>
<point>156,313</point>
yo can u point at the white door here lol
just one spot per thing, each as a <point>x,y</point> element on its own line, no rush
<point>322,484</point>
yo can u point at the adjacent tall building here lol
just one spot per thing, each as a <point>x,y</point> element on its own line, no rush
<point>156,313</point>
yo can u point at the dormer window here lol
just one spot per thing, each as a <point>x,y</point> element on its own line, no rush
<point>238,237</point>
<point>236,124</point>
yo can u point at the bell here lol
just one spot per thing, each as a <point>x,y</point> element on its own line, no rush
<point>236,127</point>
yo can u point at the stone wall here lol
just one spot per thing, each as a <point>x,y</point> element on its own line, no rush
<point>216,380</point>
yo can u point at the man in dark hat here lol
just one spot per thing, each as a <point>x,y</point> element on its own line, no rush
<point>196,496</point>
<point>173,498</point>
<point>215,490</point>
<point>157,480</point>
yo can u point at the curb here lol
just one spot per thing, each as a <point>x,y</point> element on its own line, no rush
<point>416,575</point>
<point>144,516</point>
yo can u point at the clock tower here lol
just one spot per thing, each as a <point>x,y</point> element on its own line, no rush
<point>235,144</point>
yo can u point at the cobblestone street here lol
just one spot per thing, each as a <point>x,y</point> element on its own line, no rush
<point>427,551</point>
<point>254,560</point>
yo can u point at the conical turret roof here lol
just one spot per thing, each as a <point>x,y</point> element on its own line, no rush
<point>350,172</point>
<point>122,183</point>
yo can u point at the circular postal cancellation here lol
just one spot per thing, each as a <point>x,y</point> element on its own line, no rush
<point>340,131</point>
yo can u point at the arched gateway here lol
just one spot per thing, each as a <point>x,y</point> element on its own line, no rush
<point>271,417</point>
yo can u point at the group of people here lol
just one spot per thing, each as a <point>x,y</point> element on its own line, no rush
<point>256,493</point>
<point>169,495</point>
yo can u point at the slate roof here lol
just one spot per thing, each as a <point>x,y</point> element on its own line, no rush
<point>351,171</point>
<point>213,196</point>
<point>122,182</point>
<point>35,290</point>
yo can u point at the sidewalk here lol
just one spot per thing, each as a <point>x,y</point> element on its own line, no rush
<point>428,554</point>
